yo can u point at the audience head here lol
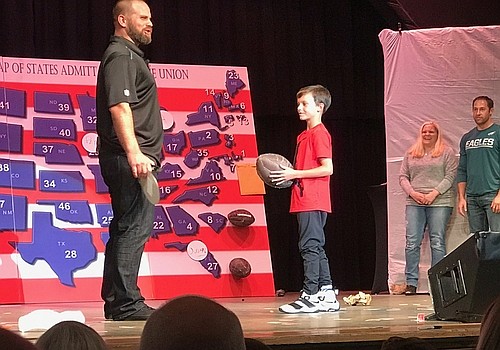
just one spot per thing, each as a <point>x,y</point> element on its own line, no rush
<point>71,335</point>
<point>192,322</point>
<point>255,344</point>
<point>412,343</point>
<point>12,341</point>
<point>489,335</point>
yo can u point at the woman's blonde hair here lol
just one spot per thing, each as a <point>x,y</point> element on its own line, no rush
<point>418,151</point>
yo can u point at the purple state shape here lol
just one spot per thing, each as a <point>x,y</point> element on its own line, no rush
<point>204,195</point>
<point>88,113</point>
<point>229,141</point>
<point>52,128</point>
<point>209,137</point>
<point>104,214</point>
<point>215,220</point>
<point>233,82</point>
<point>161,224</point>
<point>57,153</point>
<point>100,185</point>
<point>226,101</point>
<point>211,265</point>
<point>12,102</point>
<point>192,159</point>
<point>183,223</point>
<point>17,174</point>
<point>53,102</point>
<point>218,99</point>
<point>170,172</point>
<point>210,173</point>
<point>104,237</point>
<point>13,212</point>
<point>182,247</point>
<point>11,138</point>
<point>166,191</point>
<point>174,144</point>
<point>76,212</point>
<point>236,107</point>
<point>65,251</point>
<point>207,113</point>
<point>61,181</point>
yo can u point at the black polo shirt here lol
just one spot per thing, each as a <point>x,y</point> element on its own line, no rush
<point>124,76</point>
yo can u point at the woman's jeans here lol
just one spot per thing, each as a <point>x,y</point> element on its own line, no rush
<point>417,219</point>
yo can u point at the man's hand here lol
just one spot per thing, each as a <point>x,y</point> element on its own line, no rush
<point>462,206</point>
<point>495,205</point>
<point>140,164</point>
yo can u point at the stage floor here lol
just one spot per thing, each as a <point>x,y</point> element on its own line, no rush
<point>360,327</point>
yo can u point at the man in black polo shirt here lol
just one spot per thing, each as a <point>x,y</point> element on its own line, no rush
<point>130,146</point>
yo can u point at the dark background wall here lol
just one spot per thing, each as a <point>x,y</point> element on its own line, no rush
<point>285,45</point>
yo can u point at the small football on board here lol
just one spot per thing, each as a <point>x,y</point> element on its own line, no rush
<point>240,268</point>
<point>241,218</point>
<point>268,162</point>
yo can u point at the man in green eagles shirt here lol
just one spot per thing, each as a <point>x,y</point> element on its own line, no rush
<point>478,174</point>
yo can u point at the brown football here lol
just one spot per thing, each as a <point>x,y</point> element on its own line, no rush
<point>240,268</point>
<point>268,162</point>
<point>241,218</point>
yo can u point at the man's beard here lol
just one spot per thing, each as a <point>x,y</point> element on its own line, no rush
<point>138,37</point>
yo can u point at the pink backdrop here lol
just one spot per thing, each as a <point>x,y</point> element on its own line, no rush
<point>431,74</point>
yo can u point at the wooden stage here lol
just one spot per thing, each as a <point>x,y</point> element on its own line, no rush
<point>353,327</point>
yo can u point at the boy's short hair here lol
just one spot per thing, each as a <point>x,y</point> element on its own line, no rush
<point>319,93</point>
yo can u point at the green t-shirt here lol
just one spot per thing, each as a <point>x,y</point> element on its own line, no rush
<point>479,164</point>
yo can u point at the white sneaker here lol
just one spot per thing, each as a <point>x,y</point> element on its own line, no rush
<point>327,297</point>
<point>306,304</point>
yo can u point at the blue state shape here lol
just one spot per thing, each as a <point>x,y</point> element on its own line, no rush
<point>210,173</point>
<point>13,102</point>
<point>100,185</point>
<point>88,110</point>
<point>184,224</point>
<point>61,181</point>
<point>161,224</point>
<point>207,113</point>
<point>65,251</point>
<point>13,212</point>
<point>104,214</point>
<point>174,143</point>
<point>54,128</point>
<point>11,138</point>
<point>76,212</point>
<point>17,174</point>
<point>53,102</point>
<point>57,153</point>
<point>204,195</point>
<point>203,138</point>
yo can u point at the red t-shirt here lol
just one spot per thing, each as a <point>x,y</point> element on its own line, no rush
<point>310,194</point>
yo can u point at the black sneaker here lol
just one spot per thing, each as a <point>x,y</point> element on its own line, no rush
<point>410,290</point>
<point>141,315</point>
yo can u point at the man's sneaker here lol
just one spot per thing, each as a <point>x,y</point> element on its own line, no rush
<point>327,297</point>
<point>306,304</point>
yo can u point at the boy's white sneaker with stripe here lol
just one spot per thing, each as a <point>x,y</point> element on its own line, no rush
<point>327,297</point>
<point>305,304</point>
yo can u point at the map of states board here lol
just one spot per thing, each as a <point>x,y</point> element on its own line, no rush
<point>55,208</point>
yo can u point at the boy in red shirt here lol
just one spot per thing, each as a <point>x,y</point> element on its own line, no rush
<point>310,201</point>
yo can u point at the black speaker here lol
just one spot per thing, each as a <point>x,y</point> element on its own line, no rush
<point>467,280</point>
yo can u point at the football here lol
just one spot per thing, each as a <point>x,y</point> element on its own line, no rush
<point>268,162</point>
<point>241,218</point>
<point>240,268</point>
